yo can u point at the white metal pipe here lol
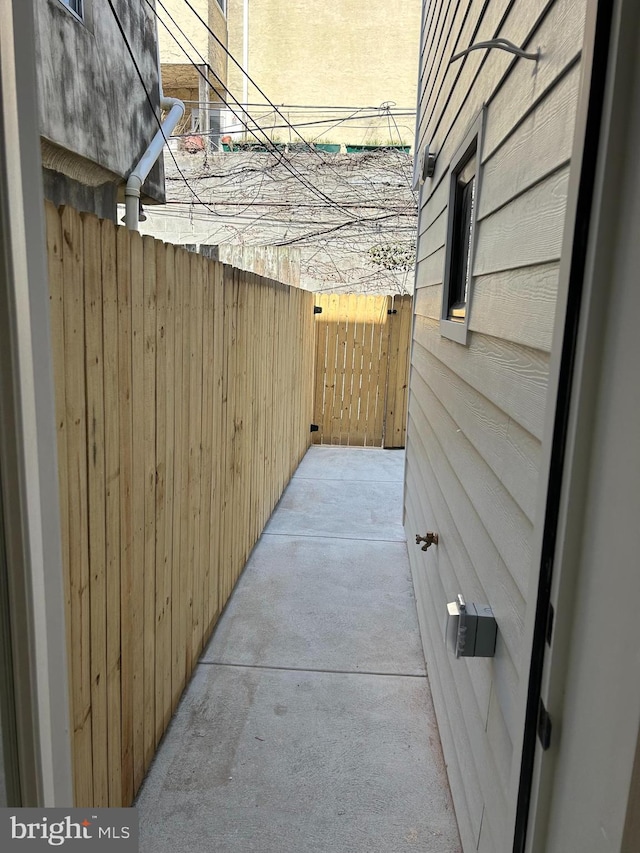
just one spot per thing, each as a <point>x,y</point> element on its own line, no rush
<point>146,162</point>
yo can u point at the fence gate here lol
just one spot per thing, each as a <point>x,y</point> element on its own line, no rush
<point>362,364</point>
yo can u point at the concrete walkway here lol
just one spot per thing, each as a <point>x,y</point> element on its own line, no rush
<point>308,726</point>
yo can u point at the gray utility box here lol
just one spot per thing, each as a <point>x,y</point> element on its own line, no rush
<point>471,629</point>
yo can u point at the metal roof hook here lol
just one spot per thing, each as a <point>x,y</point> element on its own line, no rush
<point>501,44</point>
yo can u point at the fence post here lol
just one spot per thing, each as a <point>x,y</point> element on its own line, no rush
<point>397,372</point>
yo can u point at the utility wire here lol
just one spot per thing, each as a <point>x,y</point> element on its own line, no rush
<point>332,121</point>
<point>335,228</point>
<point>243,71</point>
<point>281,160</point>
<point>270,146</point>
<point>295,204</point>
<point>315,107</point>
<point>151,105</point>
<point>371,220</point>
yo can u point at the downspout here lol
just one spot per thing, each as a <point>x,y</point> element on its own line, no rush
<point>146,162</point>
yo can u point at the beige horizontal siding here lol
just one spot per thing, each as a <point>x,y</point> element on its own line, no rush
<point>511,452</point>
<point>438,201</point>
<point>463,776</point>
<point>434,237</point>
<point>526,301</point>
<point>559,38</point>
<point>512,377</point>
<point>503,521</point>
<point>485,73</point>
<point>468,721</point>
<point>535,149</point>
<point>477,19</point>
<point>480,571</point>
<point>525,232</point>
<point>430,270</point>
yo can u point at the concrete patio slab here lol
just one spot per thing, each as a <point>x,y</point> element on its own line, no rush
<point>352,463</point>
<point>352,509</point>
<point>317,603</point>
<point>299,762</point>
<point>308,726</point>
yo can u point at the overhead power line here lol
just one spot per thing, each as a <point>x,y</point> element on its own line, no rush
<point>269,145</point>
<point>242,70</point>
<point>331,107</point>
<point>152,107</point>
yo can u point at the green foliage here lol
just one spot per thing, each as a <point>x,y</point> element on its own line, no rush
<point>393,256</point>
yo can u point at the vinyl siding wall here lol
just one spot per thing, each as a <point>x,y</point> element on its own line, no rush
<point>476,412</point>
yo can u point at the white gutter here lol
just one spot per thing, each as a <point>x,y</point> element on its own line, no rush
<point>140,172</point>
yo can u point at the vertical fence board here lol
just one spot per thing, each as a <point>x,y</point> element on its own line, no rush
<point>207,453</point>
<point>56,297</point>
<point>225,311</point>
<point>127,627</point>
<point>195,426</point>
<point>218,444</point>
<point>185,284</point>
<point>148,426</point>
<point>230,311</point>
<point>370,365</point>
<point>241,429</point>
<point>195,472</point>
<point>160,521</point>
<point>382,349</point>
<point>112,508</point>
<point>396,413</point>
<point>78,567</point>
<point>406,332</point>
<point>168,332</point>
<point>176,553</point>
<point>96,504</point>
<point>136,603</point>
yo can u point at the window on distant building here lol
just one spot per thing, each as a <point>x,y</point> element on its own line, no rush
<point>463,203</point>
<point>76,6</point>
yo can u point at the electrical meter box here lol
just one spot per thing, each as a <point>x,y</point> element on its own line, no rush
<point>471,629</point>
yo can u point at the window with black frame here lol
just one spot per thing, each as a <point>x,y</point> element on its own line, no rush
<point>75,6</point>
<point>464,188</point>
<point>464,196</point>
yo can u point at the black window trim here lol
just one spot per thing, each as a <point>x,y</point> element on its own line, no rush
<point>457,330</point>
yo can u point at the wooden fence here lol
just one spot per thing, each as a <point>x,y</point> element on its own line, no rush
<point>183,404</point>
<point>362,369</point>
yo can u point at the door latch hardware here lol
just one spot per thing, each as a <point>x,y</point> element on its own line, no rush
<point>429,539</point>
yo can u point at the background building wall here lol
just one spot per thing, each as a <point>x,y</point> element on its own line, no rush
<point>95,119</point>
<point>180,78</point>
<point>336,54</point>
